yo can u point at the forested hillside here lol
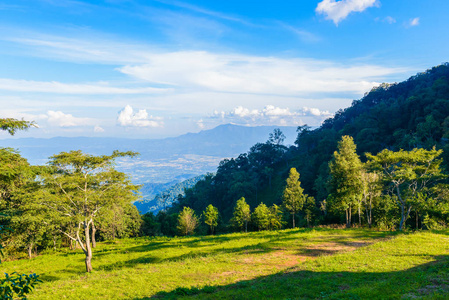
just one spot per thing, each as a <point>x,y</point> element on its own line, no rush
<point>407,115</point>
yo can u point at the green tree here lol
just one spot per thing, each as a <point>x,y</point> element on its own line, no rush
<point>293,194</point>
<point>275,217</point>
<point>407,175</point>
<point>12,167</point>
<point>346,185</point>
<point>242,214</point>
<point>261,217</point>
<point>309,209</point>
<point>211,217</point>
<point>276,137</point>
<point>187,221</point>
<point>78,187</point>
<point>372,189</point>
<point>120,220</point>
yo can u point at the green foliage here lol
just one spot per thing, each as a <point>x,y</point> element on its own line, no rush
<point>187,221</point>
<point>293,195</point>
<point>211,217</point>
<point>120,220</point>
<point>310,210</point>
<point>12,125</point>
<point>16,285</point>
<point>275,220</point>
<point>408,175</point>
<point>78,188</point>
<point>345,184</point>
<point>261,217</point>
<point>149,226</point>
<point>242,214</point>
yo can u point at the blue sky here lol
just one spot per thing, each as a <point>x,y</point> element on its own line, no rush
<point>152,69</point>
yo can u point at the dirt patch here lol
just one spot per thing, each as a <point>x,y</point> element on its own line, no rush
<point>332,248</point>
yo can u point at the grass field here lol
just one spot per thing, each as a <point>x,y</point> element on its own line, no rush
<point>287,264</point>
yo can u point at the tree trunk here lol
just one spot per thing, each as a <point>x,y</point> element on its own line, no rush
<point>30,250</point>
<point>246,226</point>
<point>293,215</point>
<point>348,217</point>
<point>94,229</point>
<point>360,218</point>
<point>370,212</point>
<point>88,250</point>
<point>417,219</point>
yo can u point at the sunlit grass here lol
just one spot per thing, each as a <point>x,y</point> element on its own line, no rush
<point>284,264</point>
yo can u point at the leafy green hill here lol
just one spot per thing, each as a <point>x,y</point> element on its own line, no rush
<point>406,115</point>
<point>286,264</point>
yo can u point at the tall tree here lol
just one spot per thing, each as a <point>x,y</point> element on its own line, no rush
<point>12,166</point>
<point>293,194</point>
<point>242,214</point>
<point>78,187</point>
<point>187,221</point>
<point>346,185</point>
<point>408,174</point>
<point>372,189</point>
<point>211,217</point>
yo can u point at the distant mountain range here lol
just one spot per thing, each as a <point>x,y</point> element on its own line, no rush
<point>162,162</point>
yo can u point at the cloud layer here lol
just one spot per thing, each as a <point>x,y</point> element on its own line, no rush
<point>230,73</point>
<point>272,115</point>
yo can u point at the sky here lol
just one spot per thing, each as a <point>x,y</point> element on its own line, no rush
<point>161,68</point>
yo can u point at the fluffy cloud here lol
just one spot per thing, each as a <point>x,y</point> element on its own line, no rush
<point>339,10</point>
<point>127,117</point>
<point>273,115</point>
<point>60,119</point>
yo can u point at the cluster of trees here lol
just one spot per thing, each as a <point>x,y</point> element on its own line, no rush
<point>413,180</point>
<point>409,115</point>
<point>74,200</point>
<point>384,191</point>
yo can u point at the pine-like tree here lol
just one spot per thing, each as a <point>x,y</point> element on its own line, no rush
<point>293,194</point>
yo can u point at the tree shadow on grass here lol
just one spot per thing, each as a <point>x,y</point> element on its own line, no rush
<point>332,244</point>
<point>426,281</point>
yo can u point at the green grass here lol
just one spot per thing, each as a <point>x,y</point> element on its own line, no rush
<point>288,264</point>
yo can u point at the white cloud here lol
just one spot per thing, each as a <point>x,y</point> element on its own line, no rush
<point>200,124</point>
<point>390,20</point>
<point>203,70</point>
<point>127,117</point>
<point>339,10</point>
<point>55,87</point>
<point>98,129</point>
<point>414,22</point>
<point>60,119</point>
<point>273,115</point>
<point>194,71</point>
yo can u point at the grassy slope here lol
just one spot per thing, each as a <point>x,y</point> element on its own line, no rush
<point>288,264</point>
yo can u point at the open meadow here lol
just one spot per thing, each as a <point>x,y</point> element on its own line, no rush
<point>285,264</point>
